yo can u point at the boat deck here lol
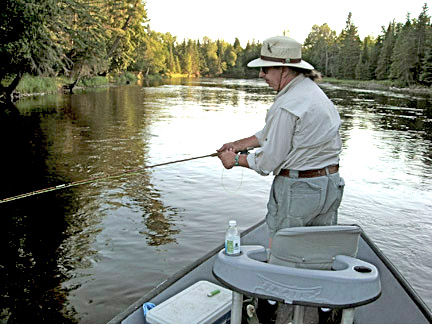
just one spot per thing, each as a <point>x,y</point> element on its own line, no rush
<point>398,303</point>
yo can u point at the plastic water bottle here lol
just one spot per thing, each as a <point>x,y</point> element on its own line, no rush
<point>232,239</point>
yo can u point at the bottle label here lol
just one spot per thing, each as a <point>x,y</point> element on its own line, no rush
<point>232,246</point>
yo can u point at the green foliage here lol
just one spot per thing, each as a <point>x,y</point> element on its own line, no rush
<point>349,50</point>
<point>318,47</point>
<point>402,53</point>
<point>85,40</point>
<point>152,53</point>
<point>83,36</point>
<point>124,78</point>
<point>96,81</point>
<point>426,70</point>
<point>126,20</point>
<point>75,38</point>
<point>364,84</point>
<point>27,40</point>
<point>37,84</point>
<point>404,56</point>
<point>363,70</point>
<point>384,60</point>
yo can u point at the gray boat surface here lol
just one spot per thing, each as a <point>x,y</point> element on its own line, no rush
<point>398,303</point>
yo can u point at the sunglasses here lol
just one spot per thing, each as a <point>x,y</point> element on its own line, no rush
<point>265,69</point>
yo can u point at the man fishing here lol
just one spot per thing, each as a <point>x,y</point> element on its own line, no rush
<point>299,144</point>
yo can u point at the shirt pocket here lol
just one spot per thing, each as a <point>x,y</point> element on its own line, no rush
<point>306,199</point>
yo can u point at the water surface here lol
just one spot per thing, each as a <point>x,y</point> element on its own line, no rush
<point>83,254</point>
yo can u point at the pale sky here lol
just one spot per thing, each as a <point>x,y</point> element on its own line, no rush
<point>258,20</point>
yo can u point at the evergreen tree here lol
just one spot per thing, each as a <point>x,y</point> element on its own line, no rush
<point>422,27</point>
<point>426,66</point>
<point>374,56</point>
<point>197,58</point>
<point>384,60</point>
<point>191,59</point>
<point>171,65</point>
<point>211,57</point>
<point>230,56</point>
<point>251,51</point>
<point>181,50</point>
<point>237,47</point>
<point>221,64</point>
<point>363,69</point>
<point>350,48</point>
<point>404,57</point>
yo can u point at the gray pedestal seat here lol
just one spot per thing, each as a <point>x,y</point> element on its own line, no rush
<point>349,283</point>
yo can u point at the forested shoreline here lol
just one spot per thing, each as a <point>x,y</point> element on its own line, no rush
<point>77,40</point>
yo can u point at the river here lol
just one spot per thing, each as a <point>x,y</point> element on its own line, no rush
<point>85,253</point>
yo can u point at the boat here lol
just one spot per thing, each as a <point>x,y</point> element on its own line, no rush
<point>397,302</point>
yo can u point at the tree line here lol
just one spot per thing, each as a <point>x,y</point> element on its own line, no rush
<point>401,53</point>
<point>83,38</point>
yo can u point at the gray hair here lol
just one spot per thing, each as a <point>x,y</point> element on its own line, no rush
<point>314,75</point>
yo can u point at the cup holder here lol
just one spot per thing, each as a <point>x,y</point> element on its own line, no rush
<point>362,269</point>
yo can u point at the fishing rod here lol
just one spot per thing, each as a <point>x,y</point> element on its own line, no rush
<point>91,180</point>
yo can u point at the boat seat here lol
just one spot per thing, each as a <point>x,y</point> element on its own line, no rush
<point>307,266</point>
<point>313,247</point>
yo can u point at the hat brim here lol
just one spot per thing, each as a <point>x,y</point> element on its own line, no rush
<point>259,62</point>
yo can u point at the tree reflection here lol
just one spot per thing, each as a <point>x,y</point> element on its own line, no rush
<point>31,229</point>
<point>407,120</point>
<point>47,239</point>
<point>159,223</point>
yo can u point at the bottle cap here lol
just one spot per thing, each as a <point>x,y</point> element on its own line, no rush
<point>232,223</point>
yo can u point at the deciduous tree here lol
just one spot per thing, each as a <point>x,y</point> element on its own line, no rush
<point>318,46</point>
<point>28,31</point>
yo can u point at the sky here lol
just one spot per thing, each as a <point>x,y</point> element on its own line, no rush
<point>258,20</point>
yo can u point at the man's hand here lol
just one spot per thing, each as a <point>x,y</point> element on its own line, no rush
<point>227,158</point>
<point>228,147</point>
<point>240,145</point>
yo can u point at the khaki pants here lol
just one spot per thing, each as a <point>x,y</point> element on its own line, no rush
<point>298,202</point>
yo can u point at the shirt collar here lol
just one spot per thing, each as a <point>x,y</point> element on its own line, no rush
<point>291,84</point>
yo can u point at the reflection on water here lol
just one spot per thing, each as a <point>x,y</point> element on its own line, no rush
<point>58,140</point>
<point>85,253</point>
<point>157,221</point>
<point>30,231</point>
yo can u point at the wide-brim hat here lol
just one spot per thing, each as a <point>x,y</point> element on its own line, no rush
<point>280,51</point>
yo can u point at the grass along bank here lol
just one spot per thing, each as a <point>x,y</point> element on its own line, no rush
<point>388,85</point>
<point>38,85</point>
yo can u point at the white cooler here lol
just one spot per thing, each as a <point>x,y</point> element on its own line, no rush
<point>194,306</point>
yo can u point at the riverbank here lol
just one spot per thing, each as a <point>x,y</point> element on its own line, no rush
<point>385,85</point>
<point>38,85</point>
<point>34,86</point>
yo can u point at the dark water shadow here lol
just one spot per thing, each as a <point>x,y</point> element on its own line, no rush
<point>31,229</point>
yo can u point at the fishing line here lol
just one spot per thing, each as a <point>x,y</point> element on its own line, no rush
<point>91,180</point>
<point>235,190</point>
<point>245,152</point>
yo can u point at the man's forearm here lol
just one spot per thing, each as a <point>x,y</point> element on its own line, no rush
<point>248,142</point>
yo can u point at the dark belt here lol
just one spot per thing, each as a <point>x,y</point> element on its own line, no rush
<point>312,173</point>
